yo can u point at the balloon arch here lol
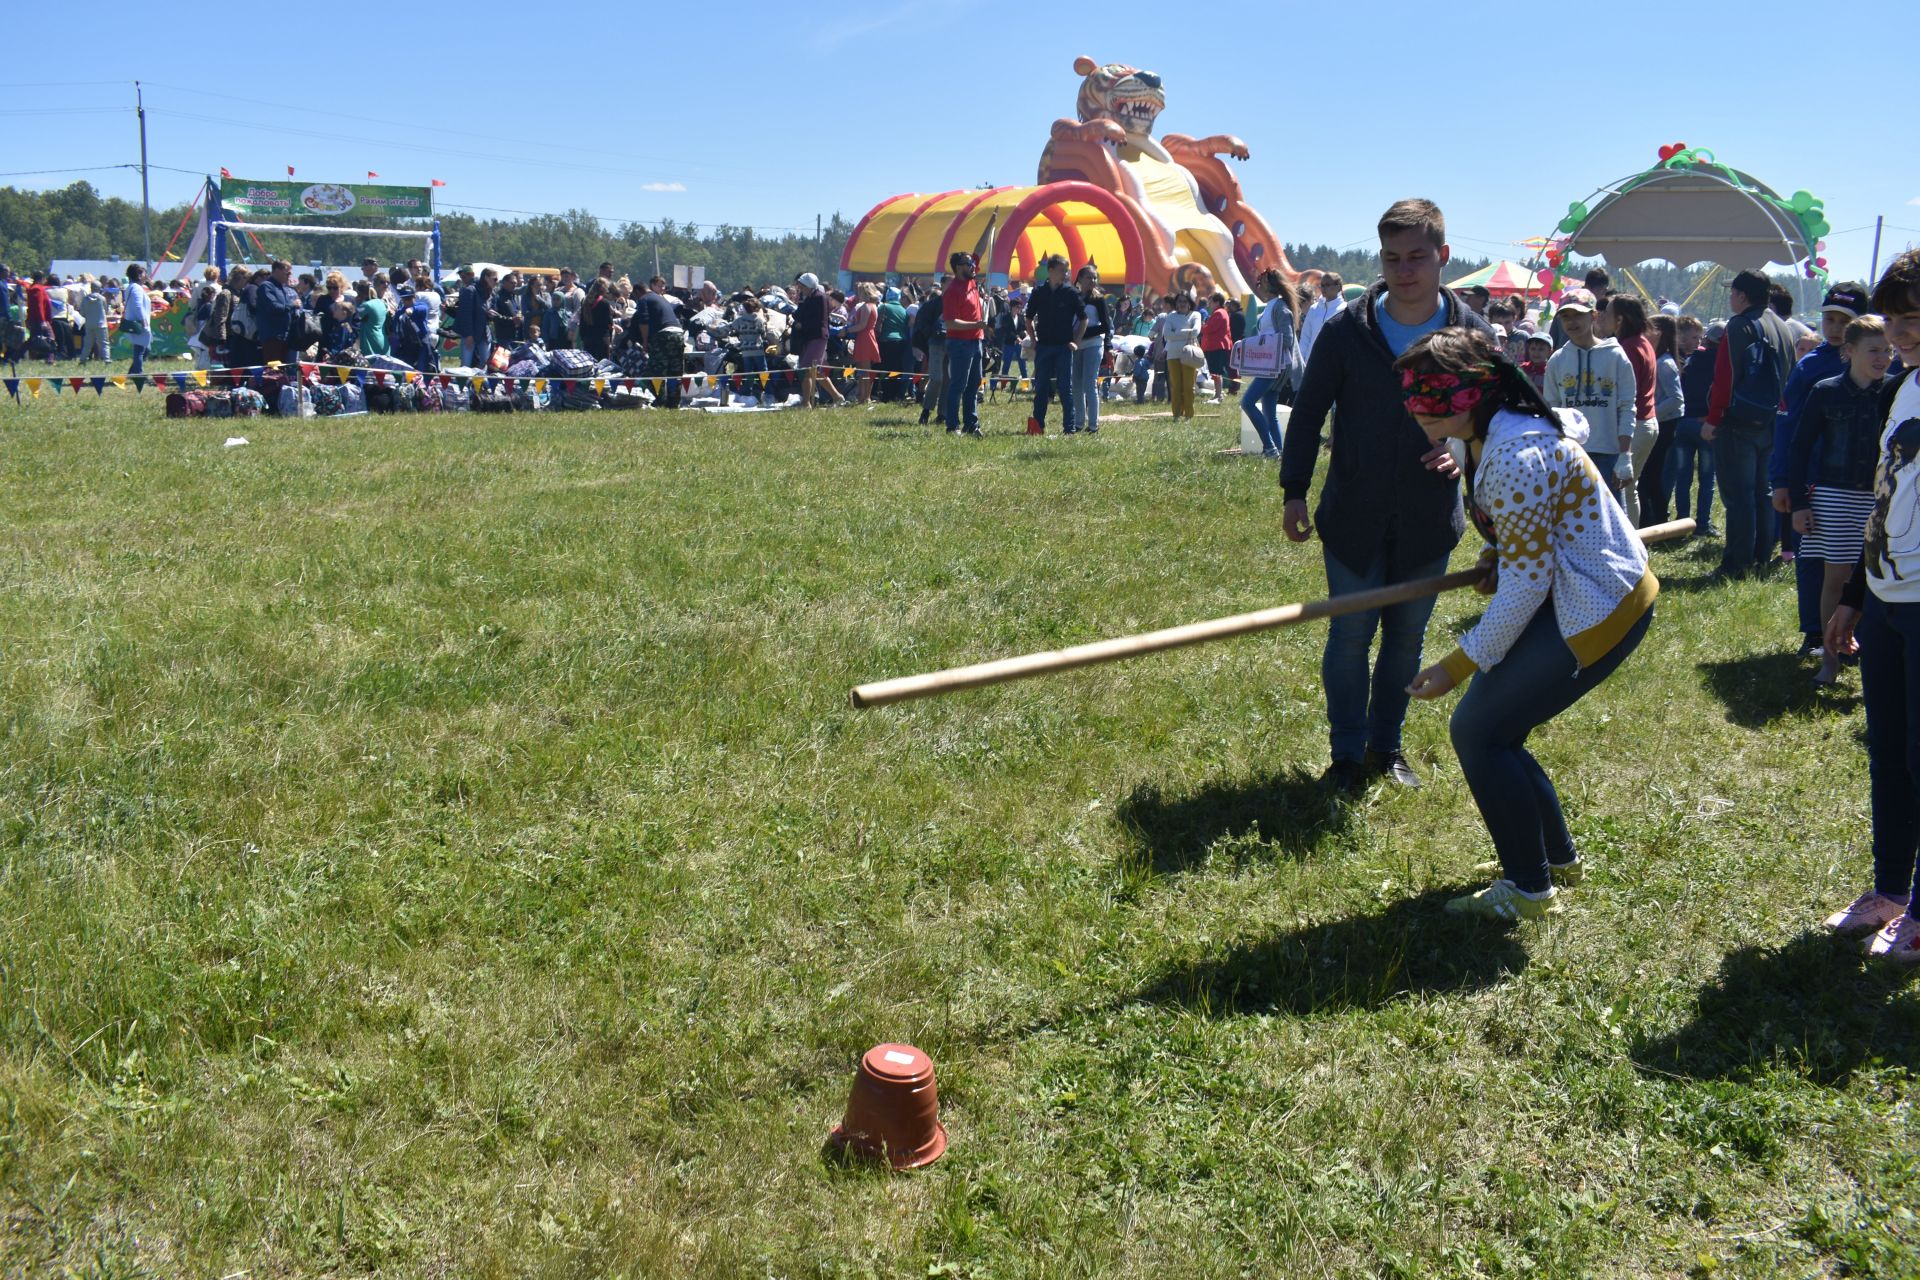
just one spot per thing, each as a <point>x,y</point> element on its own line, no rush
<point>1689,208</point>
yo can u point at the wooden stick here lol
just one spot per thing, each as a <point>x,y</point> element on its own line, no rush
<point>1002,670</point>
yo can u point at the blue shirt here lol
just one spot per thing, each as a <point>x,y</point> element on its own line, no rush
<point>1401,336</point>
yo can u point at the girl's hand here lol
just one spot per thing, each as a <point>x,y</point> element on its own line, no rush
<point>1838,635</point>
<point>1803,522</point>
<point>1434,682</point>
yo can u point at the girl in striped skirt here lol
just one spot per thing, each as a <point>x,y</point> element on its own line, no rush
<point>1830,470</point>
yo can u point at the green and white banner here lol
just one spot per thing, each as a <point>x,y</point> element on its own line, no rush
<point>284,198</point>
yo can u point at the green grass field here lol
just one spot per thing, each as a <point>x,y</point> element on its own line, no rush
<point>441,847</point>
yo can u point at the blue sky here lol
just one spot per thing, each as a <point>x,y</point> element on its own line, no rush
<point>767,114</point>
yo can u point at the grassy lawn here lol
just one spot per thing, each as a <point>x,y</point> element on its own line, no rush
<point>441,847</point>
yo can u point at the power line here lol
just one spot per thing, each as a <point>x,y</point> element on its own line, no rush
<point>611,218</point>
<point>94,168</point>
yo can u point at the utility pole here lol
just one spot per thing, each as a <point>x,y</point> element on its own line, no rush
<point>816,228</point>
<point>146,207</point>
<point>1873,273</point>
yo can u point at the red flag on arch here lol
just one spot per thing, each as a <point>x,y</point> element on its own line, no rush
<point>224,173</point>
<point>438,183</point>
<point>372,174</point>
<point>289,171</point>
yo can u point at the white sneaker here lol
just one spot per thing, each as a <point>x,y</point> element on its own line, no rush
<point>1867,913</point>
<point>1899,941</point>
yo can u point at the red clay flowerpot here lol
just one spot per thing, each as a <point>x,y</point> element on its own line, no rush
<point>893,1112</point>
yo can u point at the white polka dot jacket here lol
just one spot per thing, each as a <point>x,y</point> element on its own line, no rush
<point>1560,536</point>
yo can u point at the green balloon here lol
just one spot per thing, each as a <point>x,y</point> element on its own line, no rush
<point>1577,210</point>
<point>1569,223</point>
<point>1802,201</point>
<point>1819,227</point>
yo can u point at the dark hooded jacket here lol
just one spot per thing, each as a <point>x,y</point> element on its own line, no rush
<point>1378,496</point>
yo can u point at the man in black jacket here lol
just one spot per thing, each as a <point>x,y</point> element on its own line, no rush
<point>1390,510</point>
<point>931,341</point>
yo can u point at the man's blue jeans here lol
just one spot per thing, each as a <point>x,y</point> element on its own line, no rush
<point>1053,364</point>
<point>1010,355</point>
<point>138,352</point>
<point>1889,636</point>
<point>1537,680</point>
<point>1688,449</point>
<point>962,392</point>
<point>1740,459</point>
<point>1259,401</point>
<point>1365,712</point>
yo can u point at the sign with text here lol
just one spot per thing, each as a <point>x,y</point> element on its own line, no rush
<point>277,198</point>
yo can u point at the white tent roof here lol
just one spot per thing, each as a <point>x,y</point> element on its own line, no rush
<point>1685,216</point>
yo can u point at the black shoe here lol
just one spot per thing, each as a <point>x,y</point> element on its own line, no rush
<point>953,431</point>
<point>970,431</point>
<point>1809,647</point>
<point>1392,764</point>
<point>1345,777</point>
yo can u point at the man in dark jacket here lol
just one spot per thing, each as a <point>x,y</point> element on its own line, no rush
<point>1747,387</point>
<point>930,339</point>
<point>273,309</point>
<point>1390,510</point>
<point>1696,388</point>
<point>476,324</point>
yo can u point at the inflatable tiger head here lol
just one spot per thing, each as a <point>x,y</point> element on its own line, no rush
<point>1128,96</point>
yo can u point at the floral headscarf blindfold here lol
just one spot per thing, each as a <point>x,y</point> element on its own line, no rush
<point>1441,395</point>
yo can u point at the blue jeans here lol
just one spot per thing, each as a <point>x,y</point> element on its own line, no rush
<point>1053,363</point>
<point>962,391</point>
<point>1740,459</point>
<point>1355,720</point>
<point>1537,680</point>
<point>1086,381</point>
<point>1889,636</point>
<point>1259,400</point>
<point>753,361</point>
<point>139,364</point>
<point>1688,449</point>
<point>1009,356</point>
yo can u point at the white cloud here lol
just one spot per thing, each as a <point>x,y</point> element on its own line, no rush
<point>663,186</point>
<point>1915,200</point>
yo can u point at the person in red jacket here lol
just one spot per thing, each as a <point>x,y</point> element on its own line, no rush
<point>40,314</point>
<point>1629,316</point>
<point>1216,340</point>
<point>963,313</point>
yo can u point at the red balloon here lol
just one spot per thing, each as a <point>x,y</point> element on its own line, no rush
<point>1678,147</point>
<point>1666,153</point>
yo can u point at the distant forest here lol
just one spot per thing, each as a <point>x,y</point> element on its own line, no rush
<point>76,222</point>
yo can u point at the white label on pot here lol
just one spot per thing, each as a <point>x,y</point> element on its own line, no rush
<point>902,1059</point>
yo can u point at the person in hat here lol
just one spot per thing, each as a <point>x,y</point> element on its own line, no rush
<point>1842,305</point>
<point>1593,375</point>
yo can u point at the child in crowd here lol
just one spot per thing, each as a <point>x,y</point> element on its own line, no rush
<point>1142,373</point>
<point>1668,405</point>
<point>1699,351</point>
<point>1572,598</point>
<point>1881,609</point>
<point>1843,304</point>
<point>1539,348</point>
<point>1836,444</point>
<point>1592,374</point>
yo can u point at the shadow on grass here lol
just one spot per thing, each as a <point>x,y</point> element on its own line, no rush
<point>1762,687</point>
<point>1411,946</point>
<point>1815,1006</point>
<point>1290,810</point>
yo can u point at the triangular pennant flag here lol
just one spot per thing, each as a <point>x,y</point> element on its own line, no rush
<point>567,386</point>
<point>540,384</point>
<point>13,387</point>
<point>139,381</point>
<point>307,370</point>
<point>76,383</point>
<point>179,380</point>
<point>360,378</point>
<point>599,386</point>
<point>379,377</point>
<point>686,384</point>
<point>340,374</point>
<point>764,377</point>
<point>33,386</point>
<point>446,379</point>
<point>413,377</point>
<point>99,386</point>
<point>479,384</point>
<point>118,380</point>
<point>200,377</point>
